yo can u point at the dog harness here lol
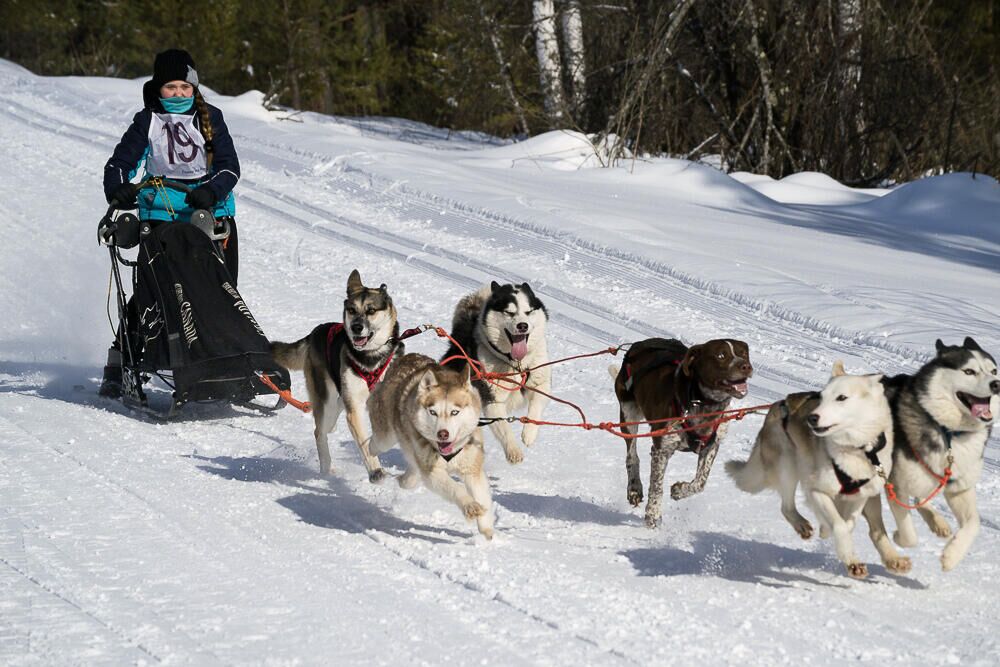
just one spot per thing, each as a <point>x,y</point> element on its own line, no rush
<point>850,486</point>
<point>371,377</point>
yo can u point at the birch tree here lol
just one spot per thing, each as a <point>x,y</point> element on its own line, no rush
<point>549,67</point>
<point>572,32</point>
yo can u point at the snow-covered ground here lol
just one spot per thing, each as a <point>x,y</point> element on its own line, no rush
<point>213,540</point>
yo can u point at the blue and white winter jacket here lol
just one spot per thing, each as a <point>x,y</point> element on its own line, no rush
<point>133,152</point>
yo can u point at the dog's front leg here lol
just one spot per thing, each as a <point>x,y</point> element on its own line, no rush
<point>479,487</point>
<point>628,412</point>
<point>440,482</point>
<point>356,422</point>
<point>502,431</point>
<point>905,534</point>
<point>706,457</point>
<point>880,538</point>
<point>829,515</point>
<point>934,521</point>
<point>963,505</point>
<point>661,451</point>
<point>536,405</point>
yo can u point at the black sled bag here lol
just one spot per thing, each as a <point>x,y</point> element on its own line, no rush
<point>192,320</point>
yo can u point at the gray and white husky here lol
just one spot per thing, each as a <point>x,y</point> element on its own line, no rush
<point>503,327</point>
<point>837,444</point>
<point>943,416</point>
<point>342,362</point>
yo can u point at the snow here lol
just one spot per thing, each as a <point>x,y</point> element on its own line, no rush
<point>213,539</point>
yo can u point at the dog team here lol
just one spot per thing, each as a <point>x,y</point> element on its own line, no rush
<point>910,436</point>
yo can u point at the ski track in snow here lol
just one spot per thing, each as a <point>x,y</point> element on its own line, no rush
<point>559,584</point>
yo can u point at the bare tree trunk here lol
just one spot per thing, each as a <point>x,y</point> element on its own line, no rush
<point>572,30</point>
<point>549,68</point>
<point>769,99</point>
<point>508,82</point>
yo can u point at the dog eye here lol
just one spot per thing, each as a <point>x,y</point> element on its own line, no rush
<point>841,398</point>
<point>969,371</point>
<point>454,413</point>
<point>369,310</point>
<point>721,356</point>
<point>433,412</point>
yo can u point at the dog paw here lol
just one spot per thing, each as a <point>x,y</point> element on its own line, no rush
<point>681,490</point>
<point>408,480</point>
<point>824,531</point>
<point>487,533</point>
<point>529,434</point>
<point>804,529</point>
<point>653,520</point>
<point>857,570</point>
<point>940,527</point>
<point>376,476</point>
<point>514,455</point>
<point>473,510</point>
<point>902,540</point>
<point>949,559</point>
<point>898,565</point>
<point>635,495</point>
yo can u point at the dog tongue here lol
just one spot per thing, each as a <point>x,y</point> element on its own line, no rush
<point>519,348</point>
<point>446,449</point>
<point>981,410</point>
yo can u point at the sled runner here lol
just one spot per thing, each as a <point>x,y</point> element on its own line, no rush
<point>185,322</point>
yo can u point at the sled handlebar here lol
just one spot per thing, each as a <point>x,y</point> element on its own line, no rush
<point>202,219</point>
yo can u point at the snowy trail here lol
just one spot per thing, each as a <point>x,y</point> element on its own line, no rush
<point>213,540</point>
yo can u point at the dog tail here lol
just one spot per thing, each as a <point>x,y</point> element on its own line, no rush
<point>751,475</point>
<point>291,355</point>
<point>613,371</point>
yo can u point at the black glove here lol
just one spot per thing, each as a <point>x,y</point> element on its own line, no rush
<point>106,229</point>
<point>124,196</point>
<point>201,198</point>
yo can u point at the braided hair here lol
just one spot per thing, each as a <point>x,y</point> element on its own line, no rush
<point>206,126</point>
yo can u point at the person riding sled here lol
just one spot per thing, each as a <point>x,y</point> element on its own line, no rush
<point>177,137</point>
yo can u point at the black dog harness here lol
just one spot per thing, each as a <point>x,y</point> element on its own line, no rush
<point>850,486</point>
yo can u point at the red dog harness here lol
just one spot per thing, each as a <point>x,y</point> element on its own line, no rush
<point>371,377</point>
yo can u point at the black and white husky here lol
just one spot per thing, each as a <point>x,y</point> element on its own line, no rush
<point>943,416</point>
<point>503,327</point>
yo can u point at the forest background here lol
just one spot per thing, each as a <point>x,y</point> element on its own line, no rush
<point>867,91</point>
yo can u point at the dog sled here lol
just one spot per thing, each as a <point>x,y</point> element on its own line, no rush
<point>184,323</point>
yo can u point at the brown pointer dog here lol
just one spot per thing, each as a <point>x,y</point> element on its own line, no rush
<point>660,379</point>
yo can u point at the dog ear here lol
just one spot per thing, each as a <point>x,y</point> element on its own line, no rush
<point>494,286</point>
<point>689,358</point>
<point>876,380</point>
<point>354,283</point>
<point>939,346</point>
<point>970,344</point>
<point>526,287</point>
<point>428,380</point>
<point>466,374</point>
<point>382,288</point>
<point>838,368</point>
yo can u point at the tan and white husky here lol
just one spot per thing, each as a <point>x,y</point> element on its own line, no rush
<point>433,413</point>
<point>837,444</point>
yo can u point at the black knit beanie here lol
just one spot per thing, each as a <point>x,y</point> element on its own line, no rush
<point>174,65</point>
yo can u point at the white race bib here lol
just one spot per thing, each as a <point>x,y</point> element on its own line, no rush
<point>176,147</point>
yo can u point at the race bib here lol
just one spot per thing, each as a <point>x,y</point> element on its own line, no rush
<point>176,147</point>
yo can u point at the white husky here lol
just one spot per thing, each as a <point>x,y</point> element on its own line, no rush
<point>838,445</point>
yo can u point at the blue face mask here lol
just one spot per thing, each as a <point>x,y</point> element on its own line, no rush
<point>177,104</point>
